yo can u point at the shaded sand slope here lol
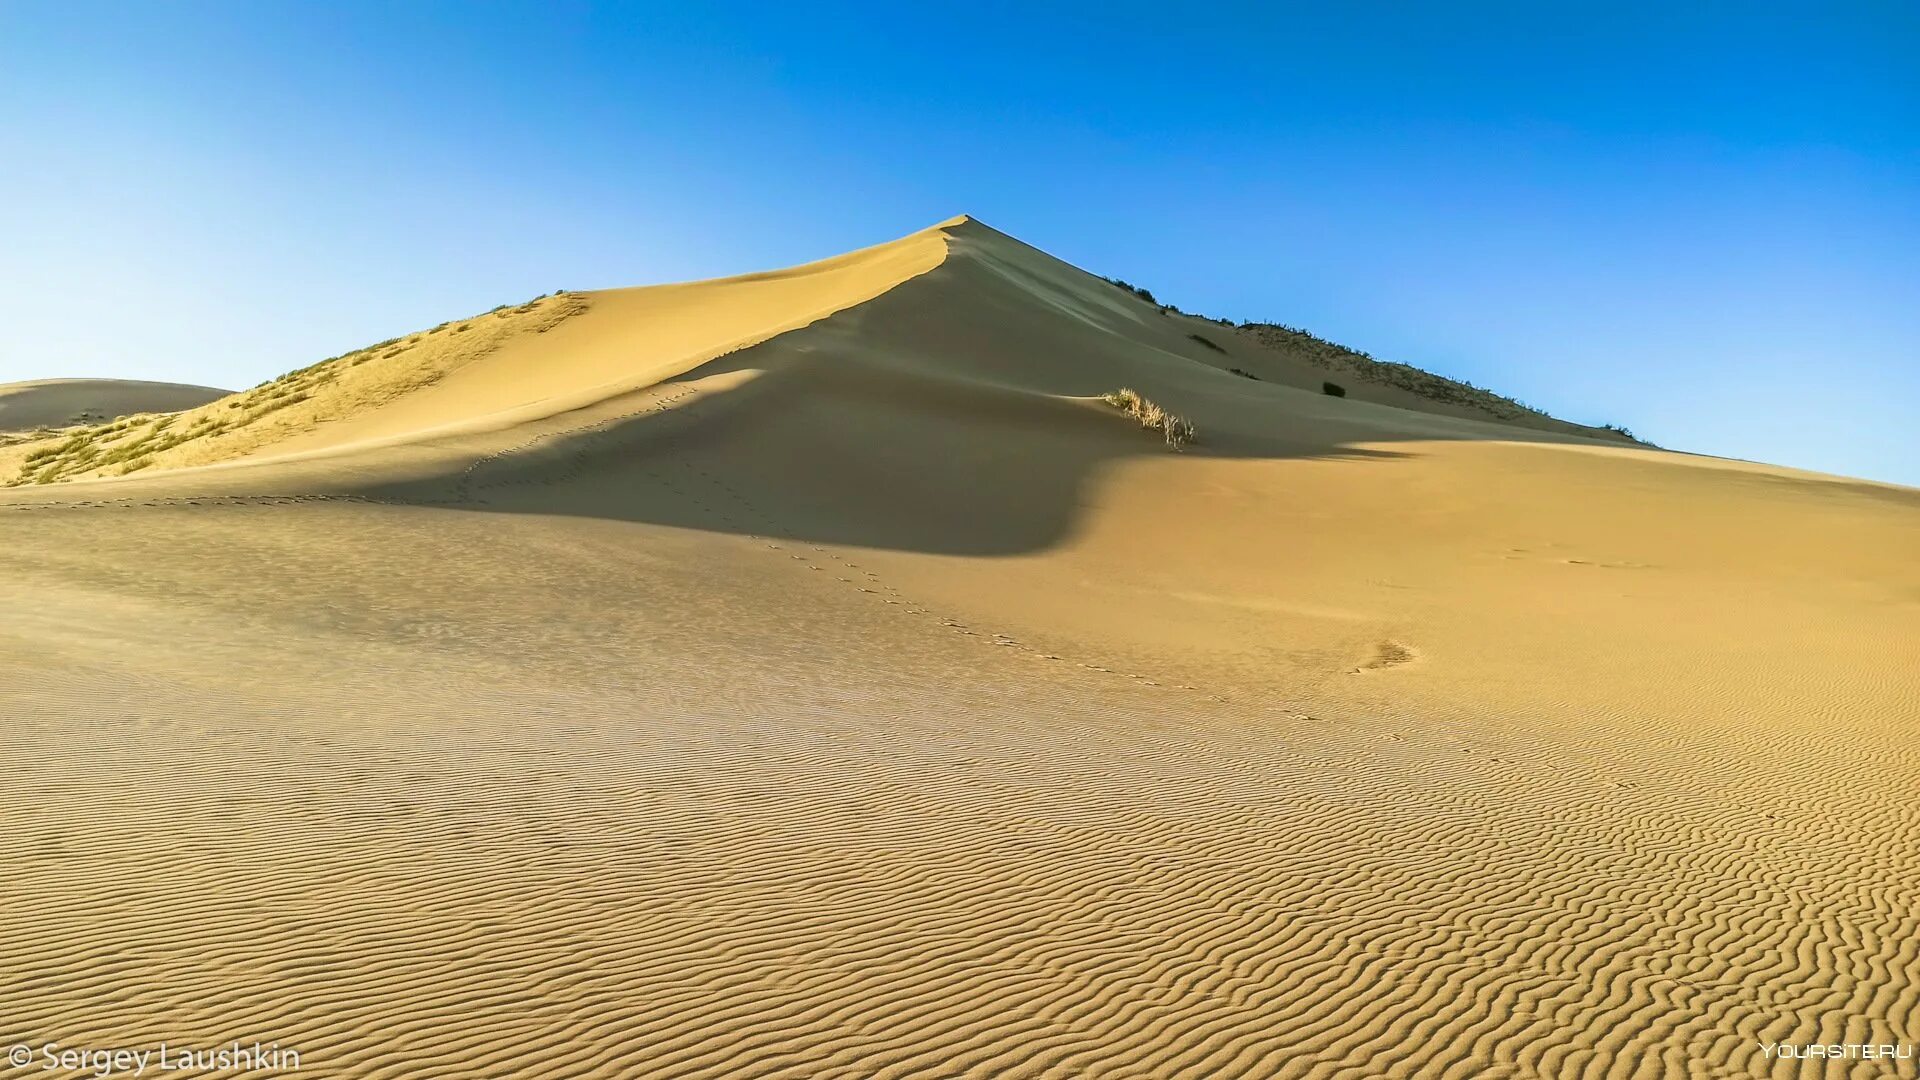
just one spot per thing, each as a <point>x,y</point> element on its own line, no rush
<point>828,686</point>
<point>57,403</point>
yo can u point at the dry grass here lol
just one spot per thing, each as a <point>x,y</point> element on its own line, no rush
<point>1178,430</point>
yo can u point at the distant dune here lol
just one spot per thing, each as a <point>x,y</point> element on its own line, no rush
<point>808,674</point>
<point>58,403</point>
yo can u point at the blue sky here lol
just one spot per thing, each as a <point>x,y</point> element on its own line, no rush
<point>1699,220</point>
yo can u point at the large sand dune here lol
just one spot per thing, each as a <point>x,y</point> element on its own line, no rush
<point>806,675</point>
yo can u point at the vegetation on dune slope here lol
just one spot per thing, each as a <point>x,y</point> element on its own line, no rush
<point>14,438</point>
<point>1313,349</point>
<point>297,401</point>
<point>1328,356</point>
<point>1177,430</point>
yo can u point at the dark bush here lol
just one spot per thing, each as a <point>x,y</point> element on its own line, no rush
<point>1333,389</point>
<point>1136,290</point>
<point>1207,343</point>
<point>1244,374</point>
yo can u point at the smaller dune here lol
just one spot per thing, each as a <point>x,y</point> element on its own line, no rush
<point>59,403</point>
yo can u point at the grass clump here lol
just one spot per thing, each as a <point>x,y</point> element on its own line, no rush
<point>1177,430</point>
<point>1244,374</point>
<point>1209,344</point>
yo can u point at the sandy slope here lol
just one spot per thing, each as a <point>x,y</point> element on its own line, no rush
<point>56,403</point>
<point>803,675</point>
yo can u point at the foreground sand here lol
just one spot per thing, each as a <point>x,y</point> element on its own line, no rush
<point>803,676</point>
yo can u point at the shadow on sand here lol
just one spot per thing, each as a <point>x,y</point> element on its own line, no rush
<point>860,454</point>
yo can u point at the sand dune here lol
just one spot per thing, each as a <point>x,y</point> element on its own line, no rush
<point>58,403</point>
<point>806,675</point>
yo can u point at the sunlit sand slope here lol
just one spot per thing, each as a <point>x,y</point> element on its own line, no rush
<point>807,675</point>
<point>553,354</point>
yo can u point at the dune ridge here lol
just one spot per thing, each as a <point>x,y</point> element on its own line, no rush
<point>808,675</point>
<point>33,409</point>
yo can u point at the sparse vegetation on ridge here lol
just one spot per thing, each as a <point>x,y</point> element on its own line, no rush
<point>1177,430</point>
<point>1134,289</point>
<point>1319,352</point>
<point>1328,356</point>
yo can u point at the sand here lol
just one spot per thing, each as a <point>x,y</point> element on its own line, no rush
<point>805,675</point>
<point>58,403</point>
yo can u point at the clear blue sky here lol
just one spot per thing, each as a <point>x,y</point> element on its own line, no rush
<point>1701,220</point>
